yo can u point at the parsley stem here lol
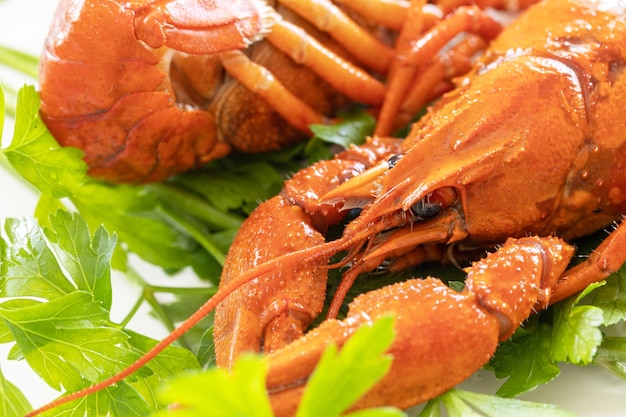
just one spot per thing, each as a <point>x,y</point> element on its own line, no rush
<point>147,294</point>
<point>612,355</point>
<point>200,236</point>
<point>21,61</point>
<point>9,103</point>
<point>191,203</point>
<point>209,291</point>
<point>132,312</point>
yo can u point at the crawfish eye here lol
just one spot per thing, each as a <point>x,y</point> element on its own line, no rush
<point>394,160</point>
<point>424,210</point>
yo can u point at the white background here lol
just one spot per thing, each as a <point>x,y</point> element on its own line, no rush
<point>589,391</point>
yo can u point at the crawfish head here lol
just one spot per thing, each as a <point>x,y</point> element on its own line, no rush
<point>498,168</point>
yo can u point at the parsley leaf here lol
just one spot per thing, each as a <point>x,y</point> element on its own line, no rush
<point>87,262</point>
<point>66,340</point>
<point>611,298</point>
<point>612,355</point>
<point>12,402</point>
<point>34,153</point>
<point>460,403</point>
<point>64,332</point>
<point>236,186</point>
<point>353,129</point>
<point>120,400</point>
<point>576,335</point>
<point>29,267</point>
<point>525,359</point>
<point>136,217</point>
<point>340,379</point>
<point>170,362</point>
<point>358,366</point>
<point>245,381</point>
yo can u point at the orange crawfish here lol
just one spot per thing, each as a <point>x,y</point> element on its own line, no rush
<point>152,88</point>
<point>530,142</point>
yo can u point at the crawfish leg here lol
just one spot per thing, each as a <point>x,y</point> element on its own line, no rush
<point>512,5</point>
<point>400,75</point>
<point>435,79</point>
<point>403,241</point>
<point>605,260</point>
<point>341,74</point>
<point>442,336</point>
<point>417,54</point>
<point>390,14</point>
<point>262,82</point>
<point>329,18</point>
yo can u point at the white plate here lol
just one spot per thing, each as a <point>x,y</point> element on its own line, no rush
<point>589,391</point>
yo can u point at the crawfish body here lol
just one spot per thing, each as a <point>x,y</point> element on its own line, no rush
<point>148,89</point>
<point>530,142</point>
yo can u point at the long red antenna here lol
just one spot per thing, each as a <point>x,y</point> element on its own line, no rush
<point>326,249</point>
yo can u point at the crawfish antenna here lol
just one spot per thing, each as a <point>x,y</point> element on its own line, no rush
<point>326,250</point>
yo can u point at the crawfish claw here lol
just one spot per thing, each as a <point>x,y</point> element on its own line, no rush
<point>443,336</point>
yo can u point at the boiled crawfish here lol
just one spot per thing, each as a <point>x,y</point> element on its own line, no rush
<point>531,142</point>
<point>529,146</point>
<point>151,88</point>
